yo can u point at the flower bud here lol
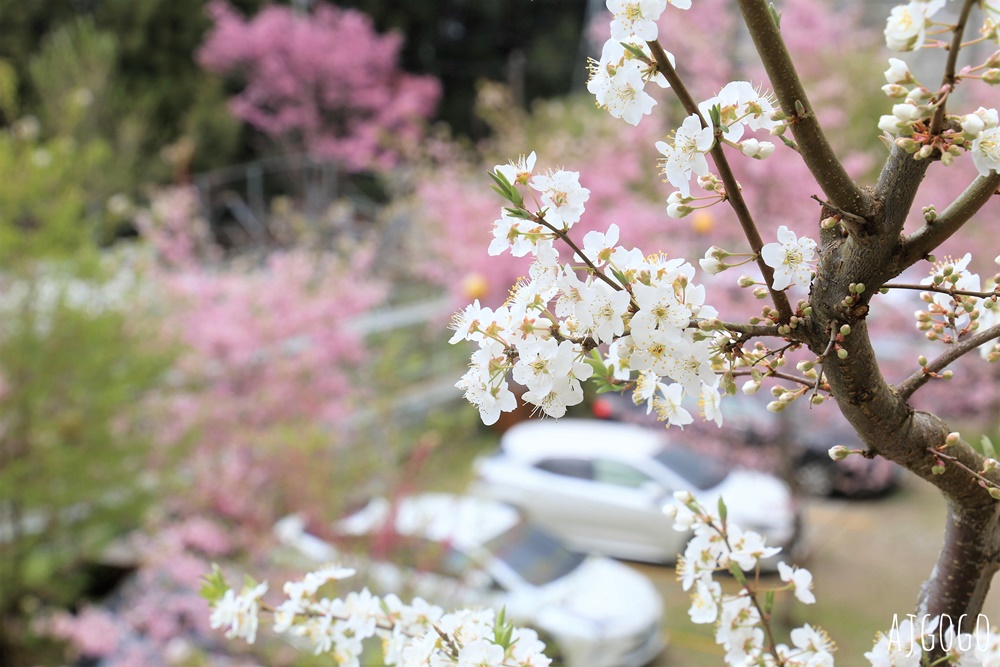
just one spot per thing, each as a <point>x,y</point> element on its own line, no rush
<point>839,453</point>
<point>947,375</point>
<point>760,293</point>
<point>845,330</point>
<point>894,91</point>
<point>829,223</point>
<point>938,469</point>
<point>816,399</point>
<point>841,354</point>
<point>683,497</point>
<point>925,152</point>
<point>952,439</point>
<point>990,465</point>
<point>746,281</point>
<point>750,387</point>
<point>907,144</point>
<point>994,493</point>
<point>992,76</point>
<point>922,360</point>
<point>776,406</point>
<point>947,159</point>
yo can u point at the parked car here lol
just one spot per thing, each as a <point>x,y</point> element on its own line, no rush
<point>463,551</point>
<point>603,487</point>
<point>752,437</point>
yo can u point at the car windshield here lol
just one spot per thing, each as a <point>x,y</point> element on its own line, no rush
<point>534,555</point>
<point>700,472</point>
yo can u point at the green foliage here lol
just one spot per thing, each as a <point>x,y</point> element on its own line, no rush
<point>44,201</point>
<point>73,443</point>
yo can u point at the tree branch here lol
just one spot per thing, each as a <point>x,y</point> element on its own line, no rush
<point>948,81</point>
<point>940,290</point>
<point>733,192</point>
<point>923,241</point>
<point>816,151</point>
<point>906,388</point>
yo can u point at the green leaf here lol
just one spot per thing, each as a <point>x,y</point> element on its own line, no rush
<point>213,585</point>
<point>768,602</point>
<point>715,114</point>
<point>635,51</point>
<point>503,187</point>
<point>989,451</point>
<point>518,213</point>
<point>737,573</point>
<point>775,15</point>
<point>723,511</point>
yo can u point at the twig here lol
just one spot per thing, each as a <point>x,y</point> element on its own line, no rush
<point>949,80</point>
<point>815,150</point>
<point>806,382</point>
<point>906,388</point>
<point>733,193</point>
<point>923,241</point>
<point>856,219</point>
<point>957,462</point>
<point>822,357</point>
<point>941,290</point>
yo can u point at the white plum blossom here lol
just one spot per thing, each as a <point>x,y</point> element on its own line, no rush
<point>986,151</point>
<point>562,196</point>
<point>659,309</point>
<point>669,406</point>
<point>741,106</point>
<point>704,608</point>
<point>898,72</point>
<point>906,27</point>
<point>791,258</point>
<point>238,613</point>
<point>647,383</point>
<point>626,97</point>
<point>686,154</point>
<point>801,581</point>
<point>517,172</point>
<point>598,246</point>
<point>635,18</point>
<point>899,648</point>
<point>710,403</point>
<point>618,80</point>
<point>515,234</point>
<point>606,309</point>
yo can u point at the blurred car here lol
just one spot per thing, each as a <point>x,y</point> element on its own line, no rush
<point>752,437</point>
<point>604,487</point>
<point>463,551</point>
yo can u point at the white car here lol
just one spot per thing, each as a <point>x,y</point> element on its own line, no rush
<point>603,487</point>
<point>463,551</point>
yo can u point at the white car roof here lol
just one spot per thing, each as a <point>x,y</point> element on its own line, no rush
<point>580,438</point>
<point>464,521</point>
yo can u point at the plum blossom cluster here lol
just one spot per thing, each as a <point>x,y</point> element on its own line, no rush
<point>906,27</point>
<point>412,635</point>
<point>618,79</point>
<point>911,119</point>
<point>737,108</point>
<point>957,304</point>
<point>644,308</point>
<point>742,620</point>
<point>917,123</point>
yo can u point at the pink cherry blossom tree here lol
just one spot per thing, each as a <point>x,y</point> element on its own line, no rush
<point>323,83</point>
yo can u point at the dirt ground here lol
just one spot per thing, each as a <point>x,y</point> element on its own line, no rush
<point>868,558</point>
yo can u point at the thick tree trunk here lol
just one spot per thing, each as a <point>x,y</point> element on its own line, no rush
<point>872,254</point>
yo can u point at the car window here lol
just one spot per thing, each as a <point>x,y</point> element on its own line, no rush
<point>702,473</point>
<point>577,468</point>
<point>619,474</point>
<point>533,554</point>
